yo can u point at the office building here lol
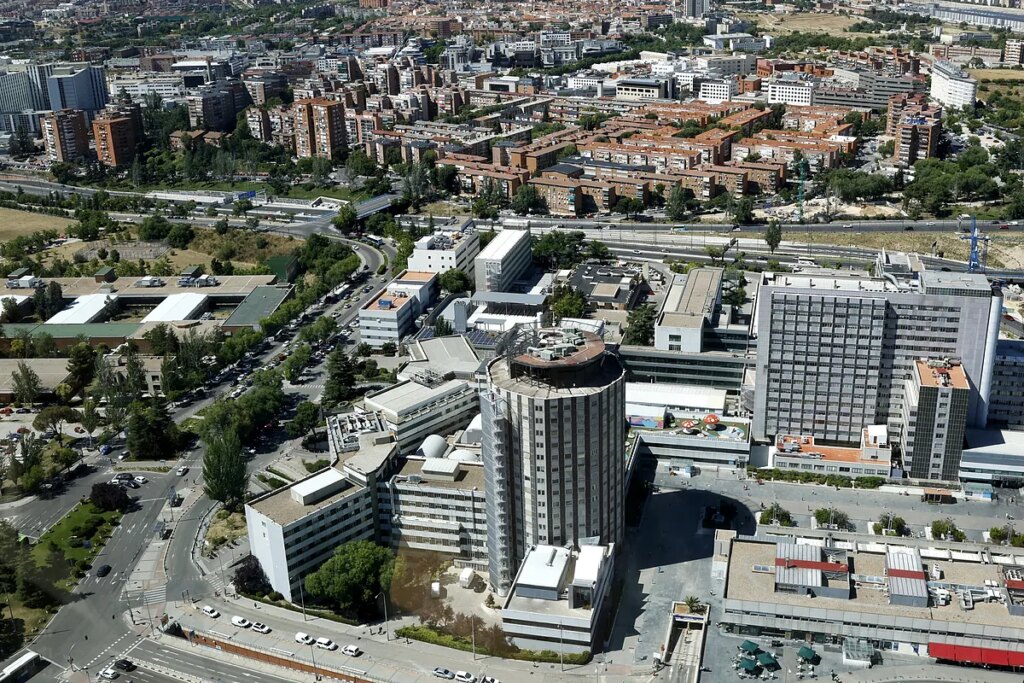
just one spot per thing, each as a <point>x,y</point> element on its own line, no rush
<point>952,87</point>
<point>391,314</point>
<point>694,9</point>
<point>77,86</point>
<point>833,353</point>
<point>65,135</point>
<point>689,306</point>
<point>296,528</point>
<point>117,132</point>
<point>639,89</point>
<point>791,90</point>
<point>872,458</point>
<point>319,128</point>
<point>553,407</point>
<point>503,261</point>
<point>557,599</point>
<point>994,459</point>
<point>1006,402</point>
<point>934,419</point>
<point>422,410</point>
<point>446,250</point>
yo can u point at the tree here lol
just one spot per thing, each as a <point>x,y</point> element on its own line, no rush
<point>694,605</point>
<point>414,186</point>
<point>90,419</point>
<point>11,310</point>
<point>250,578</point>
<point>598,251</point>
<point>346,220</point>
<point>151,433</point>
<point>743,211</point>
<point>946,530</point>
<point>307,416</point>
<point>108,497</point>
<point>558,249</point>
<point>628,205</point>
<point>81,367</point>
<point>675,206</point>
<point>293,366</point>
<point>53,418</point>
<point>640,326</point>
<point>567,302</point>
<point>65,457</point>
<point>162,340</point>
<point>776,514</point>
<point>455,280</point>
<point>442,328</point>
<point>319,331</point>
<point>26,384</point>
<point>832,517</point>
<point>134,374</point>
<point>359,164</point>
<point>889,523</point>
<point>389,348</point>
<point>773,236</point>
<point>528,200</point>
<point>351,579</point>
<point>21,143</point>
<point>224,474</point>
<point>154,228</point>
<point>180,236</point>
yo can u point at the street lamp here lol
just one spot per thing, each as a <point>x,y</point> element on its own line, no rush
<point>387,628</point>
<point>312,654</point>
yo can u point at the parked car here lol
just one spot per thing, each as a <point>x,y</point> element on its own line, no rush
<point>326,644</point>
<point>351,651</point>
<point>260,628</point>
<point>303,638</point>
<point>139,479</point>
<point>465,677</point>
<point>210,612</point>
<point>441,672</point>
<point>124,476</point>
<point>241,622</point>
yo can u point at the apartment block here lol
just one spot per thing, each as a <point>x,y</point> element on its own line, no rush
<point>934,419</point>
<point>117,133</point>
<point>953,87</point>
<point>503,261</point>
<point>1014,51</point>
<point>65,135</point>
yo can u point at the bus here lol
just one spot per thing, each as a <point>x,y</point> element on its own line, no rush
<point>374,240</point>
<point>21,668</point>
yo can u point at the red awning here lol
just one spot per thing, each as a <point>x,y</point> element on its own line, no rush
<point>975,655</point>
<point>905,574</point>
<point>1015,584</point>
<point>808,564</point>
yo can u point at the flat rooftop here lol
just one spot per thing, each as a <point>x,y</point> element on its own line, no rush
<point>691,301</point>
<point>177,307</point>
<point>230,285</point>
<point>415,276</point>
<point>281,507</point>
<point>937,375</point>
<point>470,476</point>
<point>258,304</point>
<point>386,301</point>
<point>503,243</point>
<point>84,309</point>
<point>411,396</point>
<point>51,372</point>
<point>807,448</point>
<point>72,330</point>
<point>746,584</point>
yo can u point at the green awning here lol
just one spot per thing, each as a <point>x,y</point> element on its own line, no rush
<point>767,660</point>
<point>806,653</point>
<point>748,664</point>
<point>749,646</point>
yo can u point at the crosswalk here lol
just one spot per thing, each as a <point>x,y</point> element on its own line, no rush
<point>150,596</point>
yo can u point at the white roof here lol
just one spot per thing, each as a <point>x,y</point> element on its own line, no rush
<point>84,309</point>
<point>588,565</point>
<point>440,466</point>
<point>668,395</point>
<point>176,307</point>
<point>407,397</point>
<point>305,491</point>
<point>503,243</point>
<point>544,566</point>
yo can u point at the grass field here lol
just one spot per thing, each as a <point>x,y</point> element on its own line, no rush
<point>1005,251</point>
<point>15,223</point>
<point>998,74</point>
<point>73,524</point>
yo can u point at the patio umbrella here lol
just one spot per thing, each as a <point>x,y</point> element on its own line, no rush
<point>748,664</point>
<point>767,661</point>
<point>749,646</point>
<point>806,653</point>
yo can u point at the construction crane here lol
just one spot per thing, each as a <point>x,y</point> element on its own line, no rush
<point>977,262</point>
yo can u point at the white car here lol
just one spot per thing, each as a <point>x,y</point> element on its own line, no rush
<point>109,674</point>
<point>139,479</point>
<point>303,638</point>
<point>241,622</point>
<point>210,612</point>
<point>326,644</point>
<point>465,677</point>
<point>260,628</point>
<point>351,651</point>
<point>182,471</point>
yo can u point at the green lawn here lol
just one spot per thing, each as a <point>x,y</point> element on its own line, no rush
<point>74,527</point>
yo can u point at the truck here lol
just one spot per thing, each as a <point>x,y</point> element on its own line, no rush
<point>26,282</point>
<point>466,577</point>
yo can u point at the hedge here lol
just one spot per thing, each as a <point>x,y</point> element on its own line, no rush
<point>429,635</point>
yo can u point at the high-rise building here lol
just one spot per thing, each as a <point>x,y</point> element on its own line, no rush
<point>77,86</point>
<point>934,419</point>
<point>216,105</point>
<point>1014,53</point>
<point>553,409</point>
<point>319,128</point>
<point>952,87</point>
<point>65,135</point>
<point>503,261</point>
<point>834,352</point>
<point>694,9</point>
<point>117,131</point>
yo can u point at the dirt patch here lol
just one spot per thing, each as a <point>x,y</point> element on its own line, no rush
<point>804,22</point>
<point>226,527</point>
<point>128,250</point>
<point>442,208</point>
<point>14,223</point>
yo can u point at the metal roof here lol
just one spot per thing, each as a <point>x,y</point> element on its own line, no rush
<point>906,573</point>
<point>509,298</point>
<point>793,565</point>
